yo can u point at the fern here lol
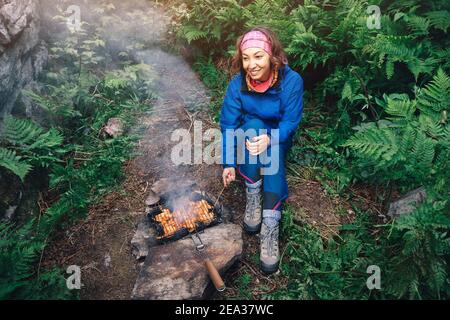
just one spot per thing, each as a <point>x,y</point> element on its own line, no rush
<point>434,99</point>
<point>377,144</point>
<point>418,25</point>
<point>439,19</point>
<point>51,138</point>
<point>422,237</point>
<point>18,254</point>
<point>33,144</point>
<point>409,142</point>
<point>12,162</point>
<point>27,135</point>
<point>192,33</point>
<point>400,108</point>
<point>432,128</point>
<point>21,131</point>
<point>423,150</point>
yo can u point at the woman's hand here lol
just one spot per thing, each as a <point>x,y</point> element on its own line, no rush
<point>228,175</point>
<point>258,144</point>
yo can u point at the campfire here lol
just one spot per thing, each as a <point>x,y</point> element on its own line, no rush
<point>175,220</point>
<point>179,216</point>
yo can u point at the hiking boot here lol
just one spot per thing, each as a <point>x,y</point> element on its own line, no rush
<point>270,253</point>
<point>253,207</point>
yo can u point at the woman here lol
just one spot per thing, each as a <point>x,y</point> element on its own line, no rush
<point>265,101</point>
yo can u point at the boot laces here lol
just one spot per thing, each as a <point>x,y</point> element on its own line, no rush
<point>270,238</point>
<point>253,201</point>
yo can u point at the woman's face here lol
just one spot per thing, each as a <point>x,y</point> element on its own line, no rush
<point>256,63</point>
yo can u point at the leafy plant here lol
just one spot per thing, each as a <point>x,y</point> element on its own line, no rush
<point>12,162</point>
<point>405,147</point>
<point>36,146</point>
<point>391,86</point>
<point>83,163</point>
<point>19,275</point>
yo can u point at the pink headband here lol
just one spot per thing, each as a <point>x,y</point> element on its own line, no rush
<point>256,39</point>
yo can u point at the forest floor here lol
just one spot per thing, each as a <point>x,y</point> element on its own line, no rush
<point>100,244</point>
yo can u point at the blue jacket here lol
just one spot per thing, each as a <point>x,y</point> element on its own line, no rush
<point>280,107</point>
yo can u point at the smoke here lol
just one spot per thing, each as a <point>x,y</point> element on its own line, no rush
<point>125,27</point>
<point>136,30</point>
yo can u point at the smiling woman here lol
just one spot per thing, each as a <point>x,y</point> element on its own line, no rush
<point>265,101</point>
<point>257,63</point>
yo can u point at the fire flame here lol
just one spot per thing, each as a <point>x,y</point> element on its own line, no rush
<point>185,217</point>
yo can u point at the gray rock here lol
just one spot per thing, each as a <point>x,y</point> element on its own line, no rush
<point>152,198</point>
<point>22,53</point>
<point>168,185</point>
<point>407,203</point>
<point>16,16</point>
<point>5,38</point>
<point>143,239</point>
<point>114,127</point>
<point>176,271</point>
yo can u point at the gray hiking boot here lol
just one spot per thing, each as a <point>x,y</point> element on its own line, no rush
<point>270,253</point>
<point>253,207</point>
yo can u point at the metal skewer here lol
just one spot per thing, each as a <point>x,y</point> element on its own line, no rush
<point>217,199</point>
<point>215,202</point>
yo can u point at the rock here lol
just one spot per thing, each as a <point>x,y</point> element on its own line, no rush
<point>9,213</point>
<point>114,127</point>
<point>30,108</point>
<point>143,239</point>
<point>168,185</point>
<point>22,52</point>
<point>16,16</point>
<point>4,34</point>
<point>407,203</point>
<point>177,271</point>
<point>152,198</point>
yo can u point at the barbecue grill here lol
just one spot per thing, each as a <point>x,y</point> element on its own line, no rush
<point>171,224</point>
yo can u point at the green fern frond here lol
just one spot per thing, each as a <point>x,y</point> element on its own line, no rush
<point>418,66</point>
<point>50,139</point>
<point>391,49</point>
<point>376,144</point>
<point>192,33</point>
<point>433,128</point>
<point>446,137</point>
<point>407,140</point>
<point>12,162</point>
<point>423,150</point>
<point>439,19</point>
<point>28,136</point>
<point>403,108</point>
<point>21,131</point>
<point>389,68</point>
<point>418,25</point>
<point>435,97</point>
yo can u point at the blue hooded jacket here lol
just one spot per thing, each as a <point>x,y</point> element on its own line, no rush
<point>280,107</point>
